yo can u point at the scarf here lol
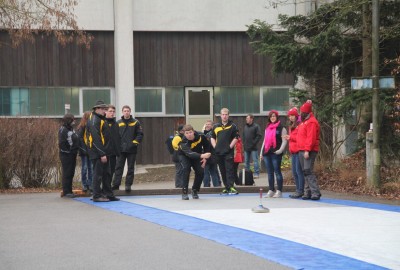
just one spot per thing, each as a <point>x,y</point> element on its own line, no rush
<point>270,136</point>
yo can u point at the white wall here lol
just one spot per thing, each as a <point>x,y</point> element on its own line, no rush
<point>182,15</point>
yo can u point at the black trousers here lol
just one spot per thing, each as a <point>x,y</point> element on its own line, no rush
<point>101,178</point>
<point>226,167</point>
<point>68,163</point>
<point>198,172</point>
<point>119,170</point>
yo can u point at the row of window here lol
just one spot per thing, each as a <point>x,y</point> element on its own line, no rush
<point>148,101</point>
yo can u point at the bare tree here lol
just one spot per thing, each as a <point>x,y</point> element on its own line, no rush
<point>23,19</point>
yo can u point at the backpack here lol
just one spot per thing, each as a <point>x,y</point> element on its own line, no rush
<point>248,177</point>
<point>168,142</point>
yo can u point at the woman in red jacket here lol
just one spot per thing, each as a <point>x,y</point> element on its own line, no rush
<point>297,172</point>
<point>308,146</point>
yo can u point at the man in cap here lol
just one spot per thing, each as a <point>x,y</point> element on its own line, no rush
<point>308,146</point>
<point>99,149</point>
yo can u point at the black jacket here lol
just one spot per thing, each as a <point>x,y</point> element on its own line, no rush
<point>68,141</point>
<point>194,148</point>
<point>115,137</point>
<point>224,135</point>
<point>131,134</point>
<point>98,136</point>
<point>251,137</point>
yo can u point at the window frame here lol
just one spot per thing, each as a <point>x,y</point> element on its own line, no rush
<point>262,112</point>
<point>81,89</point>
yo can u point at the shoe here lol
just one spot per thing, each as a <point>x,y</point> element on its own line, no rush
<point>306,197</point>
<point>315,197</point>
<point>224,192</point>
<point>128,189</point>
<point>115,187</point>
<point>113,199</point>
<point>233,191</point>
<point>295,195</point>
<point>70,195</point>
<point>84,189</point>
<point>185,195</point>
<point>270,194</point>
<point>195,196</point>
<point>101,199</point>
<point>278,194</point>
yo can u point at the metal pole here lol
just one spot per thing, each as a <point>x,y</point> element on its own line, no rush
<point>375,98</point>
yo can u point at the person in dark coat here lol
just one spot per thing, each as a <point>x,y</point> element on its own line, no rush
<point>115,137</point>
<point>131,134</point>
<point>68,143</point>
<point>194,151</point>
<point>251,137</point>
<point>100,148</point>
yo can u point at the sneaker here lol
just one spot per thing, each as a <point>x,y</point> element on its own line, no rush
<point>101,199</point>
<point>70,195</point>
<point>113,199</point>
<point>295,195</point>
<point>128,189</point>
<point>315,197</point>
<point>185,196</point>
<point>84,189</point>
<point>195,195</point>
<point>115,187</point>
<point>278,194</point>
<point>233,191</point>
<point>270,194</point>
<point>224,192</point>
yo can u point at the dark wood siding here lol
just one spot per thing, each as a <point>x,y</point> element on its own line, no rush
<point>156,130</point>
<point>201,59</point>
<point>47,63</point>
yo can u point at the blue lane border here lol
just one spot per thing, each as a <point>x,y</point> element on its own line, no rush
<point>288,253</point>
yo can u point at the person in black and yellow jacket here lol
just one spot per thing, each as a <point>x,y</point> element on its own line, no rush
<point>99,148</point>
<point>224,137</point>
<point>115,137</point>
<point>131,134</point>
<point>194,150</point>
<point>175,157</point>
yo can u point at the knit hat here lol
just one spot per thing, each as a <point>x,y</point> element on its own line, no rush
<point>306,107</point>
<point>273,111</point>
<point>100,104</point>
<point>293,111</point>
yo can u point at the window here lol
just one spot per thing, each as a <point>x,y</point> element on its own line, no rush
<point>156,101</point>
<point>90,96</point>
<point>239,100</point>
<point>275,98</point>
<point>48,101</point>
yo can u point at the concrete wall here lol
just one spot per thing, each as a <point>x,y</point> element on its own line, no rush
<point>183,15</point>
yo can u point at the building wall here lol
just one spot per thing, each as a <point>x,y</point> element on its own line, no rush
<point>201,59</point>
<point>47,63</point>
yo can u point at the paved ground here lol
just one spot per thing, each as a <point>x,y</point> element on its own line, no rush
<point>44,231</point>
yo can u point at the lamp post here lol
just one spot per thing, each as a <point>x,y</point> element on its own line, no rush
<point>375,96</point>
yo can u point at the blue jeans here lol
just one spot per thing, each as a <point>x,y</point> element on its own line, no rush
<point>297,173</point>
<point>211,170</point>
<point>254,157</point>
<point>273,165</point>
<point>86,171</point>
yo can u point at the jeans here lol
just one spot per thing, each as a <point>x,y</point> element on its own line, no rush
<point>297,173</point>
<point>211,170</point>
<point>273,165</point>
<point>254,157</point>
<point>311,187</point>
<point>86,171</point>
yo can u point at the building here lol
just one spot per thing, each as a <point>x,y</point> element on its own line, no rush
<point>173,61</point>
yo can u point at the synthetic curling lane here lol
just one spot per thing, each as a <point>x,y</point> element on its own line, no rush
<point>282,236</point>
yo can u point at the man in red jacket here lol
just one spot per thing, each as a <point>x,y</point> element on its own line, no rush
<point>308,146</point>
